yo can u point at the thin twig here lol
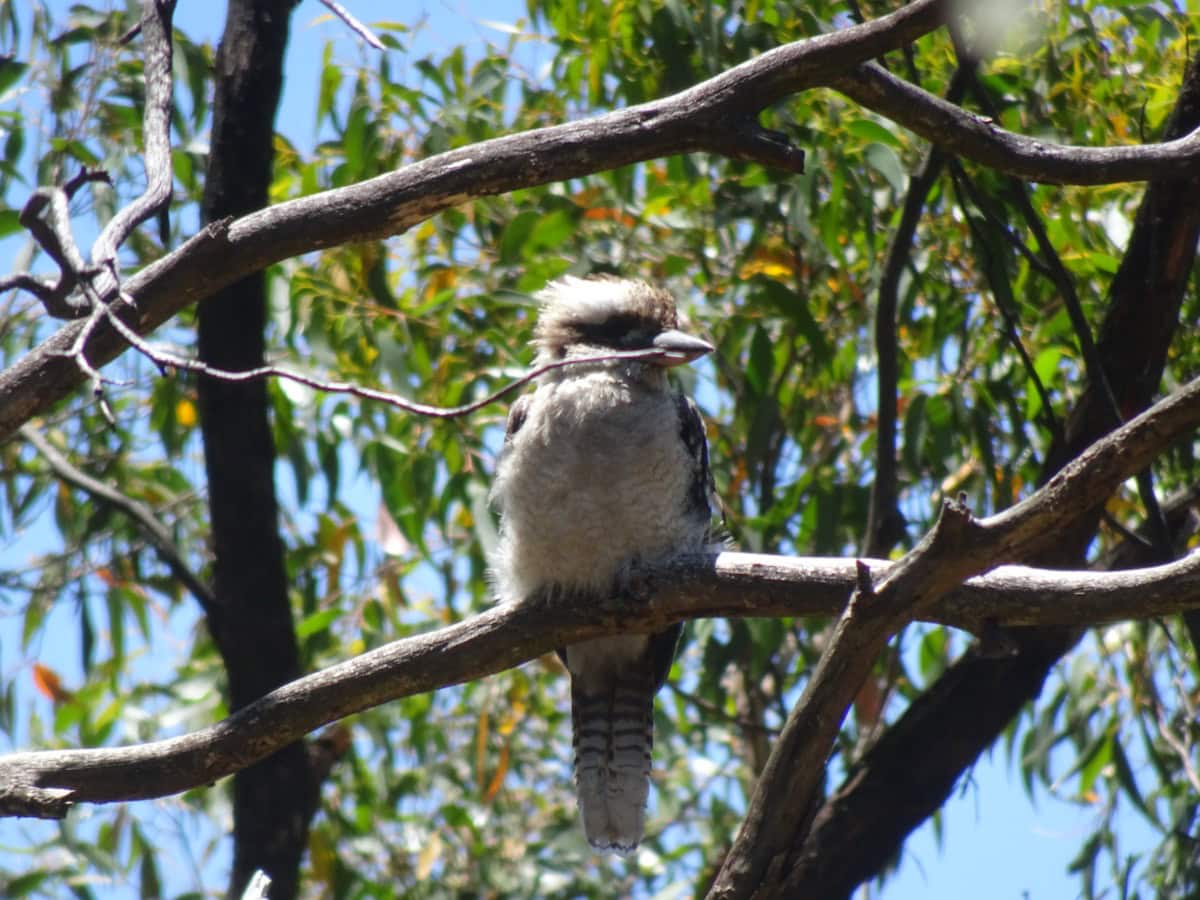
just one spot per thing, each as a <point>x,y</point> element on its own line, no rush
<point>1182,752</point>
<point>1009,316</point>
<point>167,359</point>
<point>353,24</point>
<point>143,517</point>
<point>712,709</point>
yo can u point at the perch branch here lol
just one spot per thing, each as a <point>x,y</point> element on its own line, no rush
<point>925,584</point>
<point>46,783</point>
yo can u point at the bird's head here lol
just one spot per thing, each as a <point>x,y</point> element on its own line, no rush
<point>592,316</point>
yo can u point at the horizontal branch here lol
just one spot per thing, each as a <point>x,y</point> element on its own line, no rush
<point>47,783</point>
<point>717,115</point>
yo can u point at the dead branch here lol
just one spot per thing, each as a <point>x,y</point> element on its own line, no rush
<point>167,360</point>
<point>354,24</point>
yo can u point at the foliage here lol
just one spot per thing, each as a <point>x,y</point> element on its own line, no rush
<point>469,790</point>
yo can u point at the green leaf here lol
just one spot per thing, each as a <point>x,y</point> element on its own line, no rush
<point>1128,781</point>
<point>883,159</point>
<point>317,622</point>
<point>9,222</point>
<point>11,72</point>
<point>869,131</point>
<point>761,362</point>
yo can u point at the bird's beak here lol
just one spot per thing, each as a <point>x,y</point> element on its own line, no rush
<point>679,348</point>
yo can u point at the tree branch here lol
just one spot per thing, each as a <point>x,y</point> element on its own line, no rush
<point>959,546</point>
<point>156,134</point>
<point>978,138</point>
<point>167,359</point>
<point>47,783</point>
<point>354,24</point>
<point>718,115</point>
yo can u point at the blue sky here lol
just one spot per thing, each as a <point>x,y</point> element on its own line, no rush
<point>995,844</point>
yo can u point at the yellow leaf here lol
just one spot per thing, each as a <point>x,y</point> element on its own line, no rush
<point>954,482</point>
<point>494,785</point>
<point>428,856</point>
<point>185,413</point>
<point>511,718</point>
<point>321,857</point>
<point>770,268</point>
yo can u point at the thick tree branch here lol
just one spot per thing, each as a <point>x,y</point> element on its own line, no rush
<point>718,115</point>
<point>47,783</point>
<point>957,547</point>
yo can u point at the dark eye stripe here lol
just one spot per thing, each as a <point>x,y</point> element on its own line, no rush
<point>622,331</point>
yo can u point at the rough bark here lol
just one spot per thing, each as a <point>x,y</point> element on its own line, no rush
<point>250,619</point>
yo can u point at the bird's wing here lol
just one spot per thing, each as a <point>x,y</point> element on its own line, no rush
<point>691,432</point>
<point>516,416</point>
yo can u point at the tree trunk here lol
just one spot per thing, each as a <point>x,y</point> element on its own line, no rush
<point>251,620</point>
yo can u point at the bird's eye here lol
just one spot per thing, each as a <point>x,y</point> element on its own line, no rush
<point>634,339</point>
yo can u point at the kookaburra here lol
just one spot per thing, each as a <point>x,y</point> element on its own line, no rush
<point>604,467</point>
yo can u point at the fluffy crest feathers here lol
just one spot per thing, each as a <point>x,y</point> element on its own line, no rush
<point>599,310</point>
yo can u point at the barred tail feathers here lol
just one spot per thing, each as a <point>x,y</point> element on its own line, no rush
<point>613,736</point>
